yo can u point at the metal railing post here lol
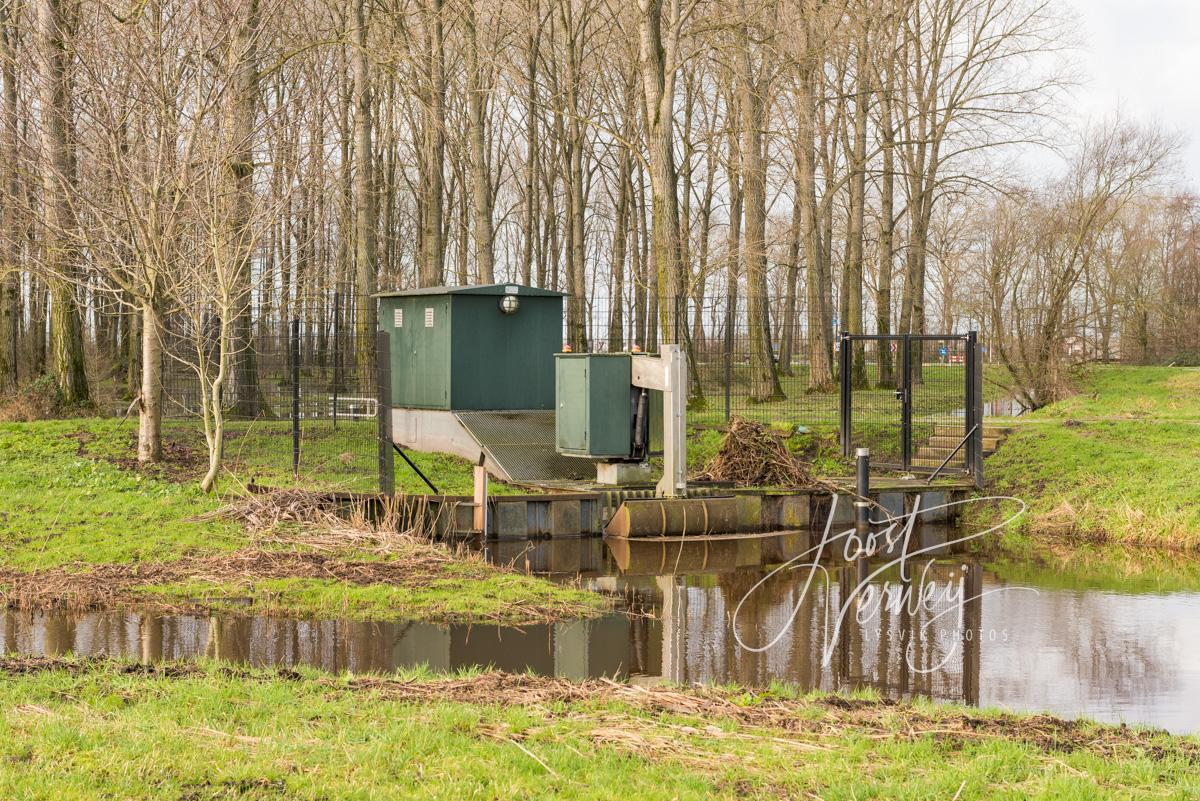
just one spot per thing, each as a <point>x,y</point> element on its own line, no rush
<point>337,354</point>
<point>728,365</point>
<point>975,396</point>
<point>906,402</point>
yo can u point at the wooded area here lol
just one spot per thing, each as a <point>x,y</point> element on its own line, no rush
<point>181,178</point>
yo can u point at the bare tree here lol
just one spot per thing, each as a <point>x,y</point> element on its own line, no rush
<point>56,21</point>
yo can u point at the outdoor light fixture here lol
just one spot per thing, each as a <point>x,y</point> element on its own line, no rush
<point>509,304</point>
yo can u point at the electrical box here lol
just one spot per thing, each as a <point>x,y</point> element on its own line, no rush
<point>597,405</point>
<point>594,417</point>
<point>473,348</point>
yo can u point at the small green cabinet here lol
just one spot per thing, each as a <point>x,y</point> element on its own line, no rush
<point>594,414</point>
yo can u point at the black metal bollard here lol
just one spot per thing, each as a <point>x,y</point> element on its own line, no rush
<point>862,509</point>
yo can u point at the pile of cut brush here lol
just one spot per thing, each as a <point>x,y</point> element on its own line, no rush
<point>752,454</point>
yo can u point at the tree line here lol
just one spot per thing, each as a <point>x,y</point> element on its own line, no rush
<point>181,178</point>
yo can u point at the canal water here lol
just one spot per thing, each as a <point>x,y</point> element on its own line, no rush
<point>953,631</point>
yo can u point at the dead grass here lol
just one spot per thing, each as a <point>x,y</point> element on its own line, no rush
<point>797,724</point>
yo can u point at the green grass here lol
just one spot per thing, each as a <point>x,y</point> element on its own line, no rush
<point>941,391</point>
<point>482,594</point>
<point>103,730</point>
<point>1115,463</point>
<point>67,503</point>
<point>1104,568</point>
<point>60,506</point>
<point>342,459</point>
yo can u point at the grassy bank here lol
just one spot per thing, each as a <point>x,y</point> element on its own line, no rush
<point>82,526</point>
<point>1115,464</point>
<point>71,730</point>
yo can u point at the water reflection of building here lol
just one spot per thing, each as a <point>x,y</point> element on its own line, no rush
<point>682,599</point>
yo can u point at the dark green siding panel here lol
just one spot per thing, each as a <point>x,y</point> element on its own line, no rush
<point>429,381</point>
<point>504,361</point>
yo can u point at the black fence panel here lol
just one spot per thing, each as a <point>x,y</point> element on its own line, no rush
<point>914,400</point>
<point>300,404</point>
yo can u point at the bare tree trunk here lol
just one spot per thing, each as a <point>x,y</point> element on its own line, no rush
<point>658,85</point>
<point>887,227</point>
<point>817,286</point>
<point>10,234</point>
<point>55,24</point>
<point>366,267</point>
<point>150,401</point>
<point>532,212</point>
<point>481,180</point>
<point>240,112</point>
<point>433,151</point>
<point>791,301</point>
<point>641,284</point>
<point>733,245</point>
<point>764,380</point>
<point>616,312</point>
<point>858,193</point>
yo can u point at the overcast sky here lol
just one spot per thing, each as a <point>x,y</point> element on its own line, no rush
<point>1143,56</point>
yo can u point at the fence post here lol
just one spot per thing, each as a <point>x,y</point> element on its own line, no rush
<point>975,408</point>
<point>337,353</point>
<point>906,400</point>
<point>729,317</point>
<point>295,349</point>
<point>383,413</point>
<point>844,396</point>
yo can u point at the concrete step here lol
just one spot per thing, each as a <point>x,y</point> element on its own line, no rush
<point>954,464</point>
<point>939,455</point>
<point>940,441</point>
<point>953,430</point>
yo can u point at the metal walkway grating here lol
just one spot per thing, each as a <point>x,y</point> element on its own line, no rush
<point>522,444</point>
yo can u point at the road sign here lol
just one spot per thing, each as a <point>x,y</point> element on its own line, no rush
<point>942,351</point>
<point>894,348</point>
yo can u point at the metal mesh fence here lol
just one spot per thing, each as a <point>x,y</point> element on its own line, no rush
<point>300,404</point>
<point>750,357</point>
<point>301,400</point>
<point>746,358</point>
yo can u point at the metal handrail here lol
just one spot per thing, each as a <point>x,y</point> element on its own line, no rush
<point>957,447</point>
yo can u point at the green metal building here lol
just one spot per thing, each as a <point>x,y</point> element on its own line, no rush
<point>473,347</point>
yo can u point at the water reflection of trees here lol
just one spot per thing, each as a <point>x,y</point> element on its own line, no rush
<point>895,650</point>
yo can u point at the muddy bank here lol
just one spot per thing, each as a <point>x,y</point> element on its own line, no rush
<point>406,567</point>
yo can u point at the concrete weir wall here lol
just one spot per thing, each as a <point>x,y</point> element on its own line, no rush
<point>636,513</point>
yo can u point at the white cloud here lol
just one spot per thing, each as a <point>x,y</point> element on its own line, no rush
<point>1143,56</point>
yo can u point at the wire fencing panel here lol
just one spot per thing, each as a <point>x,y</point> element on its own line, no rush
<point>746,358</point>
<point>300,404</point>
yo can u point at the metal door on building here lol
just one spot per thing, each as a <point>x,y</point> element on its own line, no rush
<point>915,400</point>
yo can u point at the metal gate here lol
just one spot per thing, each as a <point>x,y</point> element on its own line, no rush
<point>915,400</point>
